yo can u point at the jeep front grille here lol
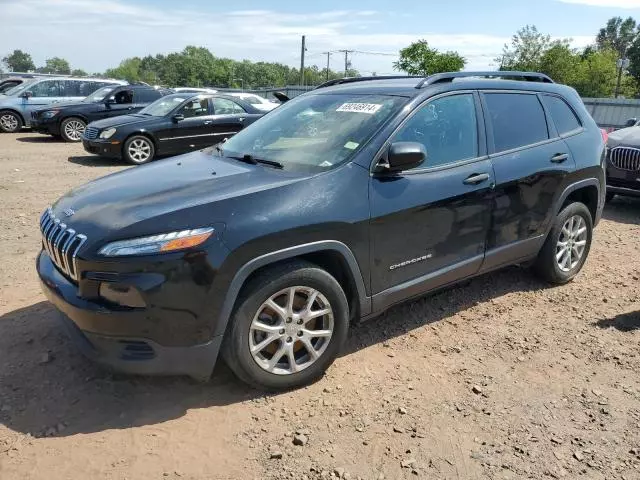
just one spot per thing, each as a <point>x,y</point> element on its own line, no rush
<point>625,158</point>
<point>61,243</point>
<point>90,133</point>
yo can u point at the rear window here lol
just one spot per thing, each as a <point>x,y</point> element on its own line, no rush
<point>561,114</point>
<point>147,95</point>
<point>517,120</point>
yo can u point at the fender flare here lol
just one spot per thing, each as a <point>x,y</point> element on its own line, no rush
<point>587,182</point>
<point>263,260</point>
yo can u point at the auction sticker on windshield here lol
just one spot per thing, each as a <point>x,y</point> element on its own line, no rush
<point>369,108</point>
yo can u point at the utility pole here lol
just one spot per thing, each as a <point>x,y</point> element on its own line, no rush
<point>302,50</point>
<point>346,61</point>
<point>328,54</point>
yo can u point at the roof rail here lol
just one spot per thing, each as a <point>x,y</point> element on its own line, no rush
<point>340,81</point>
<point>450,76</point>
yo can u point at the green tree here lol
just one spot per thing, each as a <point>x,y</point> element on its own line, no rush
<point>78,72</point>
<point>129,69</point>
<point>19,61</point>
<point>56,65</point>
<point>420,59</point>
<point>618,34</point>
<point>527,48</point>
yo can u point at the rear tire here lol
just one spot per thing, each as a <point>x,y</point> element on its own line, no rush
<point>10,122</point>
<point>567,246</point>
<point>138,150</point>
<point>304,343</point>
<point>72,128</point>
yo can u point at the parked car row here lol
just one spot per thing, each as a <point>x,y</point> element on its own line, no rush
<point>135,122</point>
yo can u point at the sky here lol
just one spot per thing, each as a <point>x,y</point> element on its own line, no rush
<point>97,34</point>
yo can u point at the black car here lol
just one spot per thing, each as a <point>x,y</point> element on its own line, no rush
<point>69,120</point>
<point>623,162</point>
<point>342,202</point>
<point>175,124</point>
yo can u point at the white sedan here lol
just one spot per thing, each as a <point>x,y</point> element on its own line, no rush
<point>257,101</point>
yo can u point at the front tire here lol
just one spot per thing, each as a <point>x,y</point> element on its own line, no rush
<point>138,150</point>
<point>289,326</point>
<point>10,122</point>
<point>71,129</point>
<point>567,246</point>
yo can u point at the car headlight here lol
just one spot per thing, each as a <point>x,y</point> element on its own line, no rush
<point>161,243</point>
<point>108,133</point>
<point>50,113</point>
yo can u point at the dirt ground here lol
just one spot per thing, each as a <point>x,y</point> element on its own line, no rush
<point>503,377</point>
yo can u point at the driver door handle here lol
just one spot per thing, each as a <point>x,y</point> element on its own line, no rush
<point>476,178</point>
<point>208,122</point>
<point>559,157</point>
<point>241,119</point>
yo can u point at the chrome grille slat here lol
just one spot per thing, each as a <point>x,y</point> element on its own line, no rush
<point>61,243</point>
<point>90,133</point>
<point>625,158</point>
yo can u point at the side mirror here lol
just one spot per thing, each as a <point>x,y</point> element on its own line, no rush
<point>109,101</point>
<point>178,117</point>
<point>403,156</point>
<point>28,94</point>
<point>631,122</point>
<point>283,97</point>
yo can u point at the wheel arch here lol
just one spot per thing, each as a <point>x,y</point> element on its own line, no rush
<point>141,133</point>
<point>586,191</point>
<point>333,256</point>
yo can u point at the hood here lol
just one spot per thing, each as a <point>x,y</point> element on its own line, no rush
<point>626,137</point>
<point>122,120</point>
<point>187,191</point>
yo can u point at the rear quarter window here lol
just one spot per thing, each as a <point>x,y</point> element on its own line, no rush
<point>517,120</point>
<point>562,115</point>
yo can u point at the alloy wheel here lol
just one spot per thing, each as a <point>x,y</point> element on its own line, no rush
<point>9,122</point>
<point>291,330</point>
<point>571,243</point>
<point>74,129</point>
<point>139,150</point>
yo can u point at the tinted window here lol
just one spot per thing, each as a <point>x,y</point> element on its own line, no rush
<point>47,88</point>
<point>563,117</point>
<point>223,106</point>
<point>195,108</point>
<point>517,120</point>
<point>123,97</point>
<point>147,95</point>
<point>447,127</point>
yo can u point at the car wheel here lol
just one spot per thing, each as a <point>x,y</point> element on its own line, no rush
<point>289,326</point>
<point>10,122</point>
<point>609,197</point>
<point>567,246</point>
<point>138,150</point>
<point>71,129</point>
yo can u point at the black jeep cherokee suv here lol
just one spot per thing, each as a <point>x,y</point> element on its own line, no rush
<point>69,120</point>
<point>341,203</point>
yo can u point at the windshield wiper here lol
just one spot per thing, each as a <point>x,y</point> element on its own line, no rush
<point>246,158</point>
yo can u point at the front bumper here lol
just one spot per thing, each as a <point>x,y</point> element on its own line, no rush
<point>622,182</point>
<point>47,126</point>
<point>83,319</point>
<point>104,148</point>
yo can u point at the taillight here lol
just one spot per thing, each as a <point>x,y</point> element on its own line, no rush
<point>605,135</point>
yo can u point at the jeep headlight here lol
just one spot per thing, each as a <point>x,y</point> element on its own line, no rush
<point>50,113</point>
<point>161,243</point>
<point>108,133</point>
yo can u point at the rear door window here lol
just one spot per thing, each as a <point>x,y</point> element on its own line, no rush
<point>224,106</point>
<point>47,88</point>
<point>147,95</point>
<point>562,115</point>
<point>516,119</point>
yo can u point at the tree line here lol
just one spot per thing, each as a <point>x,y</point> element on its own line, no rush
<point>592,71</point>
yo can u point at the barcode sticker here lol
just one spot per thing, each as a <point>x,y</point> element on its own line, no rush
<point>369,108</point>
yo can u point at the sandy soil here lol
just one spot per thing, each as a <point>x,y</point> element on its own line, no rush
<point>500,378</point>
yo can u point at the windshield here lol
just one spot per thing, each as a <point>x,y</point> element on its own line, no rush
<point>18,88</point>
<point>99,94</point>
<point>164,105</point>
<point>315,132</point>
